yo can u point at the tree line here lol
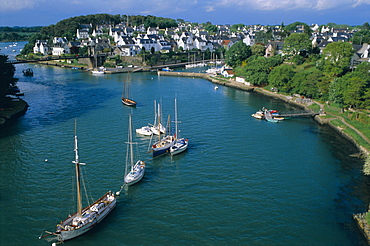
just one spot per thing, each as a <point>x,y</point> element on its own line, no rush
<point>16,33</point>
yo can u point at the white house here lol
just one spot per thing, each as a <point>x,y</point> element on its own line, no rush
<point>41,46</point>
<point>82,33</point>
<point>59,40</point>
<point>148,44</point>
<point>60,49</point>
<point>127,50</point>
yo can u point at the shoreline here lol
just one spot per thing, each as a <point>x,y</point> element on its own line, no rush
<point>18,108</point>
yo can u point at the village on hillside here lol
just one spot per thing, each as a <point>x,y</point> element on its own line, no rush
<point>127,41</point>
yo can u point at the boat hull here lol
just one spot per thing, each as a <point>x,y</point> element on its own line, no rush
<point>145,130</point>
<point>128,102</point>
<point>163,146</point>
<point>180,146</point>
<point>137,174</point>
<point>65,231</point>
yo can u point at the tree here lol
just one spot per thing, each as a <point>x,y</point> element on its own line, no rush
<point>292,27</point>
<point>258,49</point>
<point>211,28</point>
<point>7,79</point>
<point>264,36</point>
<point>297,44</point>
<point>258,68</point>
<point>354,92</point>
<point>237,54</point>
<point>281,77</point>
<point>361,37</point>
<point>337,57</point>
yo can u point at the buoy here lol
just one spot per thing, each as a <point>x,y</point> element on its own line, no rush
<point>46,160</point>
<point>53,244</point>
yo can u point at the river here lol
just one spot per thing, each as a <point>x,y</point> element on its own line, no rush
<point>242,181</point>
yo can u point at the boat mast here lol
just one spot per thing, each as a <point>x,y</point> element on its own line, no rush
<point>131,149</point>
<point>176,130</point>
<point>77,163</point>
<point>159,121</point>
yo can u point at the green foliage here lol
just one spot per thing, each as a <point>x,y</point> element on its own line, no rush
<point>258,69</point>
<point>281,77</point>
<point>153,21</point>
<point>297,44</point>
<point>311,82</point>
<point>17,33</point>
<point>237,54</point>
<point>353,89</point>
<point>362,36</point>
<point>294,27</point>
<point>263,37</point>
<point>236,27</point>
<point>28,48</point>
<point>67,27</point>
<point>212,29</point>
<point>336,58</point>
<point>258,49</point>
<point>7,71</point>
<point>13,37</point>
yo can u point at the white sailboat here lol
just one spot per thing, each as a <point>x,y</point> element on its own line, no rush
<point>137,170</point>
<point>181,144</point>
<point>158,128</point>
<point>85,218</point>
<point>163,145</point>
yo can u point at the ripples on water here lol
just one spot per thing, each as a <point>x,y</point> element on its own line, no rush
<point>242,182</point>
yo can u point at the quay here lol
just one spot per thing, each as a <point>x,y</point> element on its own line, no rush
<point>230,83</point>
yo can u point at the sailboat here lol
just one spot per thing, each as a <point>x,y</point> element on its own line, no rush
<point>163,145</point>
<point>158,129</point>
<point>181,144</point>
<point>147,130</point>
<point>137,170</point>
<point>125,96</point>
<point>85,218</point>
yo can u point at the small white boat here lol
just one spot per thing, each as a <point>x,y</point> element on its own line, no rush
<point>97,72</point>
<point>259,115</point>
<point>180,144</point>
<point>145,130</point>
<point>137,171</point>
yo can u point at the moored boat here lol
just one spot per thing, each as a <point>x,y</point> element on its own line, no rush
<point>133,172</point>
<point>259,115</point>
<point>27,72</point>
<point>85,218</point>
<point>180,144</point>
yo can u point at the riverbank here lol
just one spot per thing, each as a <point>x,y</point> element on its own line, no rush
<point>16,108</point>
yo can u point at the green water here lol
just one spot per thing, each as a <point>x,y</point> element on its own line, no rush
<point>241,182</point>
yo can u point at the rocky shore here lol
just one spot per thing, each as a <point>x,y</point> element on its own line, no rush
<point>17,108</point>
